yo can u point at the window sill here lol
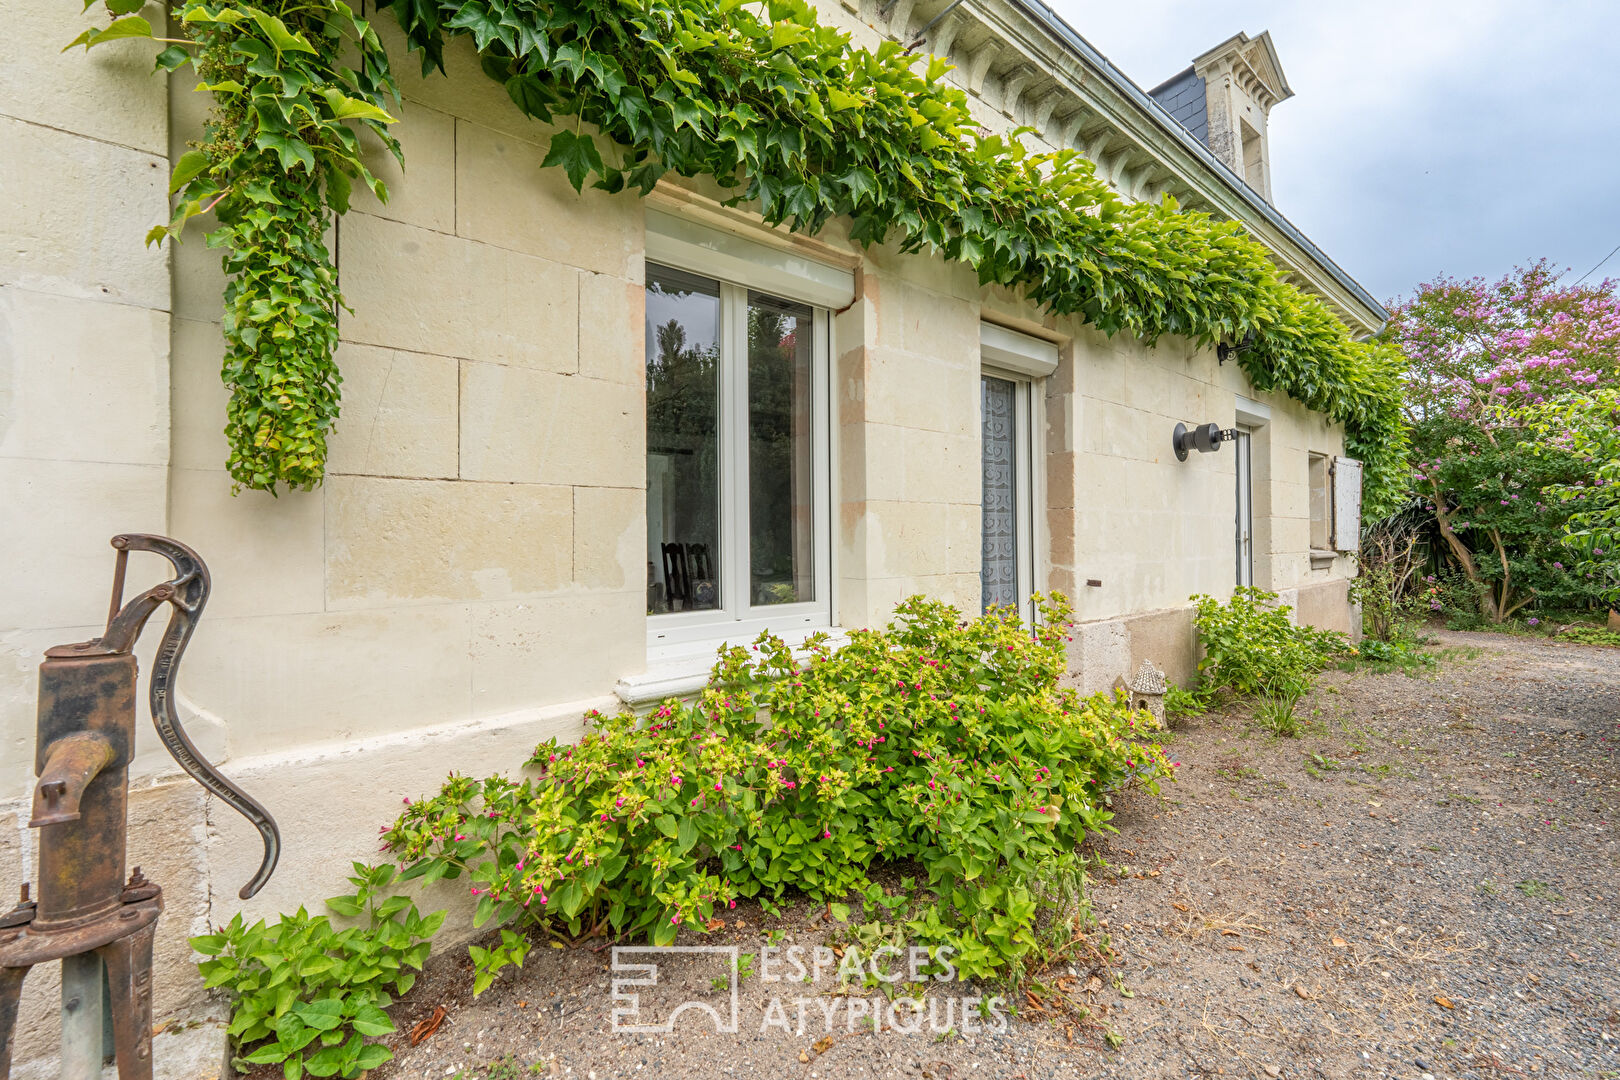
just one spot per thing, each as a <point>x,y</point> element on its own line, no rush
<point>681,671</point>
<point>1321,560</point>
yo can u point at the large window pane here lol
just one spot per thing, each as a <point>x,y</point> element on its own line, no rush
<point>781,509</point>
<point>683,443</point>
<point>999,565</point>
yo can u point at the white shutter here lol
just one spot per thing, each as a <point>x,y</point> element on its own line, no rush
<point>1346,504</point>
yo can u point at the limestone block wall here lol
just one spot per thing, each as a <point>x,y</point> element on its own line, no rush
<point>471,577</point>
<point>476,548</point>
<point>1153,531</point>
<point>84,408</point>
<point>908,386</point>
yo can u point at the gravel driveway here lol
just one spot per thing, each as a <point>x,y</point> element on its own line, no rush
<point>1426,881</point>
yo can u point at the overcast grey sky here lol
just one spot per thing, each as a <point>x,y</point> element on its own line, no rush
<point>1426,136</point>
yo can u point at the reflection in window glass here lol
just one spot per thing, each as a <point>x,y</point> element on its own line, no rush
<point>780,507</point>
<point>683,446</point>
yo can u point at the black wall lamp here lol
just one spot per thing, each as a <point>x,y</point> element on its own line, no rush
<point>1225,352</point>
<point>1205,438</point>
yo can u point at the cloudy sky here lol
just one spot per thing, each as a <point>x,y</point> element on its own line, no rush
<point>1426,136</point>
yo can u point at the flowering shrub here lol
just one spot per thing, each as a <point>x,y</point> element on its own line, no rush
<point>1484,360</point>
<point>1251,648</point>
<point>937,740</point>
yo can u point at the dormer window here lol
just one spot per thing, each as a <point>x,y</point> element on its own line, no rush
<point>1225,99</point>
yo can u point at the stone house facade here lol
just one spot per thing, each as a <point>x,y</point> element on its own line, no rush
<point>587,437</point>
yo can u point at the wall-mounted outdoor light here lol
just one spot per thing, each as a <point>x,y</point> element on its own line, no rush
<point>1225,352</point>
<point>1205,438</point>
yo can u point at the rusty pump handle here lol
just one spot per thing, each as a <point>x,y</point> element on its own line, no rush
<point>187,591</point>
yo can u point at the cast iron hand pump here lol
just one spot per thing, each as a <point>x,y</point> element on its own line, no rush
<point>86,914</point>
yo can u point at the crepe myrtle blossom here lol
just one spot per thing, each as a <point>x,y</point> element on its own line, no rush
<point>1483,359</point>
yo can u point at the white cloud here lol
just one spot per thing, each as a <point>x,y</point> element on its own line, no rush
<point>1426,135</point>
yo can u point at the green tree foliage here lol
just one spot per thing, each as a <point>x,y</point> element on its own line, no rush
<point>1588,426</point>
<point>1484,358</point>
<point>796,121</point>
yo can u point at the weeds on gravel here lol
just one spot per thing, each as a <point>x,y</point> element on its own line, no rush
<point>1591,635</point>
<point>1537,889</point>
<point>935,740</point>
<point>1276,715</point>
<point>1383,657</point>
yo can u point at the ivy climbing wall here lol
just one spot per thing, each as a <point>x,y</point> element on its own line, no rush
<point>471,574</point>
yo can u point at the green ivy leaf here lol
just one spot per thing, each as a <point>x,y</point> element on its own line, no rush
<point>530,94</point>
<point>172,57</point>
<point>576,154</point>
<point>131,26</point>
<point>841,100</point>
<point>290,150</point>
<point>347,108</point>
<point>191,165</point>
<point>282,39</point>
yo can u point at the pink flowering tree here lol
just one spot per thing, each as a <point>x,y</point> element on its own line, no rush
<point>1484,358</point>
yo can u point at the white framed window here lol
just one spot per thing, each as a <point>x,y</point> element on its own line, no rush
<point>738,464</point>
<point>1244,446</point>
<point>1011,384</point>
<point>1318,470</point>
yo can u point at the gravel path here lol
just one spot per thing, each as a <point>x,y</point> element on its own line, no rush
<point>1426,881</point>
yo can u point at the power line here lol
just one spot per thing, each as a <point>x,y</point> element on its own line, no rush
<point>1601,261</point>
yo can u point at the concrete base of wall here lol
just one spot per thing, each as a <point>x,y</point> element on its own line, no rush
<point>1106,650</point>
<point>328,801</point>
<point>194,1050</point>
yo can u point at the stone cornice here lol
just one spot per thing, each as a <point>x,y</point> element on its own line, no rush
<point>1025,73</point>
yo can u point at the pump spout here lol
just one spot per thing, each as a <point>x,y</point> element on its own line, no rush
<point>70,764</point>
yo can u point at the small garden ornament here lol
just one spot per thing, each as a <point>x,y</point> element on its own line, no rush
<point>1147,688</point>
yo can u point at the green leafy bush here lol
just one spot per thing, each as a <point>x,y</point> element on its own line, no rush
<point>1182,703</point>
<point>1251,647</point>
<point>308,993</point>
<point>487,963</point>
<point>939,740</point>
